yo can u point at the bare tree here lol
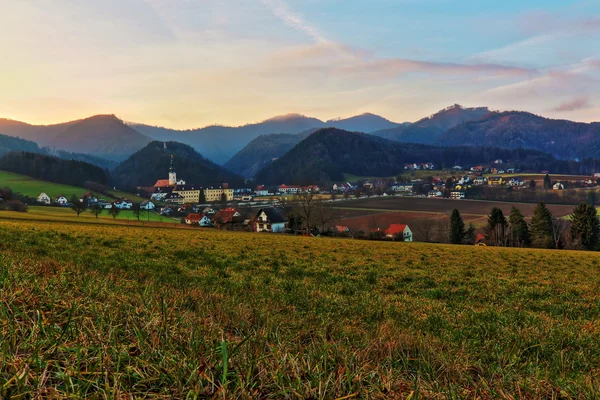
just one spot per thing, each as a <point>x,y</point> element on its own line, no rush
<point>427,229</point>
<point>559,227</point>
<point>306,208</point>
<point>323,213</point>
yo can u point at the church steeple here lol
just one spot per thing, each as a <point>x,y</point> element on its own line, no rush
<point>172,174</point>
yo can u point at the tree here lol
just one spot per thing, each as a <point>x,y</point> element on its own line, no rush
<point>584,226</point>
<point>457,228</point>
<point>547,182</point>
<point>541,227</point>
<point>306,208</point>
<point>559,227</point>
<point>497,227</point>
<point>96,210</point>
<point>470,234</point>
<point>323,213</point>
<point>532,184</point>
<point>137,210</point>
<point>77,205</point>
<point>518,230</point>
<point>114,211</point>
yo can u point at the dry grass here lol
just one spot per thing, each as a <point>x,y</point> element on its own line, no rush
<point>117,311</point>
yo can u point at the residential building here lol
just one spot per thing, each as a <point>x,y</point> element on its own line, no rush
<point>286,189</point>
<point>270,219</point>
<point>402,187</point>
<point>261,191</point>
<point>226,216</point>
<point>558,186</point>
<point>480,181</point>
<point>435,193</point>
<point>43,198</point>
<point>198,219</point>
<point>123,204</point>
<point>174,198</point>
<point>191,193</point>
<point>396,231</point>
<point>213,194</point>
<point>457,195</point>
<point>147,205</point>
<point>61,200</point>
<point>496,181</point>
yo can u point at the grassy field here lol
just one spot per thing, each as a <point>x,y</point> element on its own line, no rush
<point>116,311</point>
<point>65,214</point>
<point>31,187</point>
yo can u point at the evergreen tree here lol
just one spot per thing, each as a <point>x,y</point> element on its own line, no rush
<point>547,182</point>
<point>457,228</point>
<point>497,227</point>
<point>541,227</point>
<point>470,235</point>
<point>584,226</point>
<point>519,231</point>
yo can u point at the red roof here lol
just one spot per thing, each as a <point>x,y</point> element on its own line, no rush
<point>289,187</point>
<point>194,217</point>
<point>225,216</point>
<point>261,187</point>
<point>480,238</point>
<point>341,228</point>
<point>162,183</point>
<point>396,229</point>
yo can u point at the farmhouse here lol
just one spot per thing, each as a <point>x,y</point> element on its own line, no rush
<point>269,219</point>
<point>399,231</point>
<point>198,219</point>
<point>43,198</point>
<point>558,186</point>
<point>147,205</point>
<point>61,200</point>
<point>226,216</point>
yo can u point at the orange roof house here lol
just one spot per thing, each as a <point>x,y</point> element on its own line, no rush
<point>161,183</point>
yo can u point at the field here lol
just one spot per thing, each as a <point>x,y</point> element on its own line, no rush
<point>65,214</point>
<point>367,214</point>
<point>118,311</point>
<point>31,187</point>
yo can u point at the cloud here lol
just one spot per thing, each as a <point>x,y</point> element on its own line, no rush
<point>578,103</point>
<point>293,20</point>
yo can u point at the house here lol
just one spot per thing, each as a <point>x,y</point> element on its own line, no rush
<point>311,189</point>
<point>261,191</point>
<point>342,229</point>
<point>166,210</point>
<point>61,200</point>
<point>174,198</point>
<point>435,193</point>
<point>343,187</point>
<point>123,204</point>
<point>270,219</point>
<point>226,216</point>
<point>214,194</point>
<point>558,186</point>
<point>43,198</point>
<point>457,195</point>
<point>480,240</point>
<point>428,166</point>
<point>147,205</point>
<point>457,168</point>
<point>515,182</point>
<point>285,189</point>
<point>480,181</point>
<point>209,211</point>
<point>411,167</point>
<point>477,168</point>
<point>496,181</point>
<point>162,183</point>
<point>402,187</point>
<point>498,161</point>
<point>396,231</point>
<point>91,199</point>
<point>368,185</point>
<point>198,219</point>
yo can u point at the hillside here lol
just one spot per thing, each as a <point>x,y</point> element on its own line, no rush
<point>287,314</point>
<point>28,186</point>
<point>105,136</point>
<point>53,169</point>
<point>428,130</point>
<point>9,143</point>
<point>328,154</point>
<point>564,139</point>
<point>41,134</point>
<point>262,151</point>
<point>152,163</point>
<point>365,123</point>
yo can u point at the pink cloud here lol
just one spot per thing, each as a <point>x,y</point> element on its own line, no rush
<point>577,103</point>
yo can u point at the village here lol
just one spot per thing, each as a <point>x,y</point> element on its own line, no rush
<point>271,209</point>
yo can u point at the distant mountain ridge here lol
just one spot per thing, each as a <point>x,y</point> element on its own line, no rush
<point>328,154</point>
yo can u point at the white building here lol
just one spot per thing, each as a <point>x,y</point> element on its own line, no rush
<point>43,198</point>
<point>62,200</point>
<point>289,189</point>
<point>270,220</point>
<point>147,205</point>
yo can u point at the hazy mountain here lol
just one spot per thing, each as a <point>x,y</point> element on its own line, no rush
<point>41,134</point>
<point>262,151</point>
<point>152,163</point>
<point>105,136</point>
<point>328,154</point>
<point>363,123</point>
<point>9,143</point>
<point>428,130</point>
<point>564,139</point>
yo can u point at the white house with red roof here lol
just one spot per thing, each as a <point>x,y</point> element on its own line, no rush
<point>286,189</point>
<point>399,231</point>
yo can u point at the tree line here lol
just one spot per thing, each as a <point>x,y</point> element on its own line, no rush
<point>581,230</point>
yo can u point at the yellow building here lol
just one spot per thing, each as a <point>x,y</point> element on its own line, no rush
<point>190,193</point>
<point>216,194</point>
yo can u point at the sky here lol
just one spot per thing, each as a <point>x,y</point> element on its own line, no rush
<point>192,63</point>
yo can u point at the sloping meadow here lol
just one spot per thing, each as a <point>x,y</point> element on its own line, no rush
<point>109,311</point>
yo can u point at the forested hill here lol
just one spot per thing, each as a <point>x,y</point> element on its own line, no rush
<point>9,143</point>
<point>152,163</point>
<point>328,154</point>
<point>564,139</point>
<point>53,169</point>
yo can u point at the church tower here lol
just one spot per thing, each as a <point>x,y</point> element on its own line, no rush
<point>172,174</point>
